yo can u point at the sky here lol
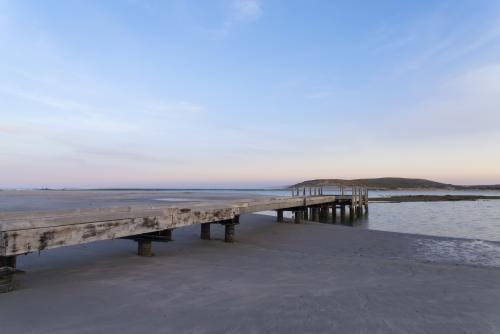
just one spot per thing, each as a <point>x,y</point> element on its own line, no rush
<point>247,93</point>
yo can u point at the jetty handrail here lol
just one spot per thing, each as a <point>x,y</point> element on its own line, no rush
<point>307,191</point>
<point>341,190</point>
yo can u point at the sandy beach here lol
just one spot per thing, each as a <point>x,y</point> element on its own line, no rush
<point>276,278</point>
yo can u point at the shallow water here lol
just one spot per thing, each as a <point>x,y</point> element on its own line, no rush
<point>463,219</point>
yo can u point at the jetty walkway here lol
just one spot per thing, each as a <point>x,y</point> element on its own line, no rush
<point>23,233</point>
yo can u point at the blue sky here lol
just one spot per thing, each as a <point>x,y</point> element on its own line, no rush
<point>247,92</point>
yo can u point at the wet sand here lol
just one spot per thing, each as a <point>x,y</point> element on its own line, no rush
<point>277,278</point>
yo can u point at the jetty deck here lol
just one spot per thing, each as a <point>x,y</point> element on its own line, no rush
<point>23,233</point>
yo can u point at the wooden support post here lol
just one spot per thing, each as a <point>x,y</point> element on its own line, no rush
<point>166,235</point>
<point>306,213</point>
<point>298,216</point>
<point>334,213</point>
<point>144,248</point>
<point>6,281</point>
<point>315,214</point>
<point>8,261</point>
<point>205,231</point>
<point>229,229</point>
<point>366,200</point>
<point>279,216</point>
<point>324,212</point>
<point>342,212</point>
<point>351,212</point>
<point>229,233</point>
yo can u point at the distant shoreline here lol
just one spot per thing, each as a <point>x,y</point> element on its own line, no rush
<point>393,183</point>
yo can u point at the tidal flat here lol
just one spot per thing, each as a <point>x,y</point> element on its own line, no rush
<point>276,278</point>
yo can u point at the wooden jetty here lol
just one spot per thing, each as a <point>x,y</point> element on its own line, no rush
<point>23,233</point>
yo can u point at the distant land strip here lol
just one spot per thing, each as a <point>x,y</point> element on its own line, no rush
<point>393,183</point>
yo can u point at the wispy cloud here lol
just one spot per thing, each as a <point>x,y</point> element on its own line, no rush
<point>240,12</point>
<point>113,153</point>
<point>246,10</point>
<point>46,100</point>
<point>467,105</point>
<point>435,38</point>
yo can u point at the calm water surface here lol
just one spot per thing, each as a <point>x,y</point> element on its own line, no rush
<point>464,219</point>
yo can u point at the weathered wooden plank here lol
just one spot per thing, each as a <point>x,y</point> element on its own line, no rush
<point>38,239</point>
<point>13,242</point>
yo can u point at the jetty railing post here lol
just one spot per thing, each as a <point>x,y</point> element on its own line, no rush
<point>205,231</point>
